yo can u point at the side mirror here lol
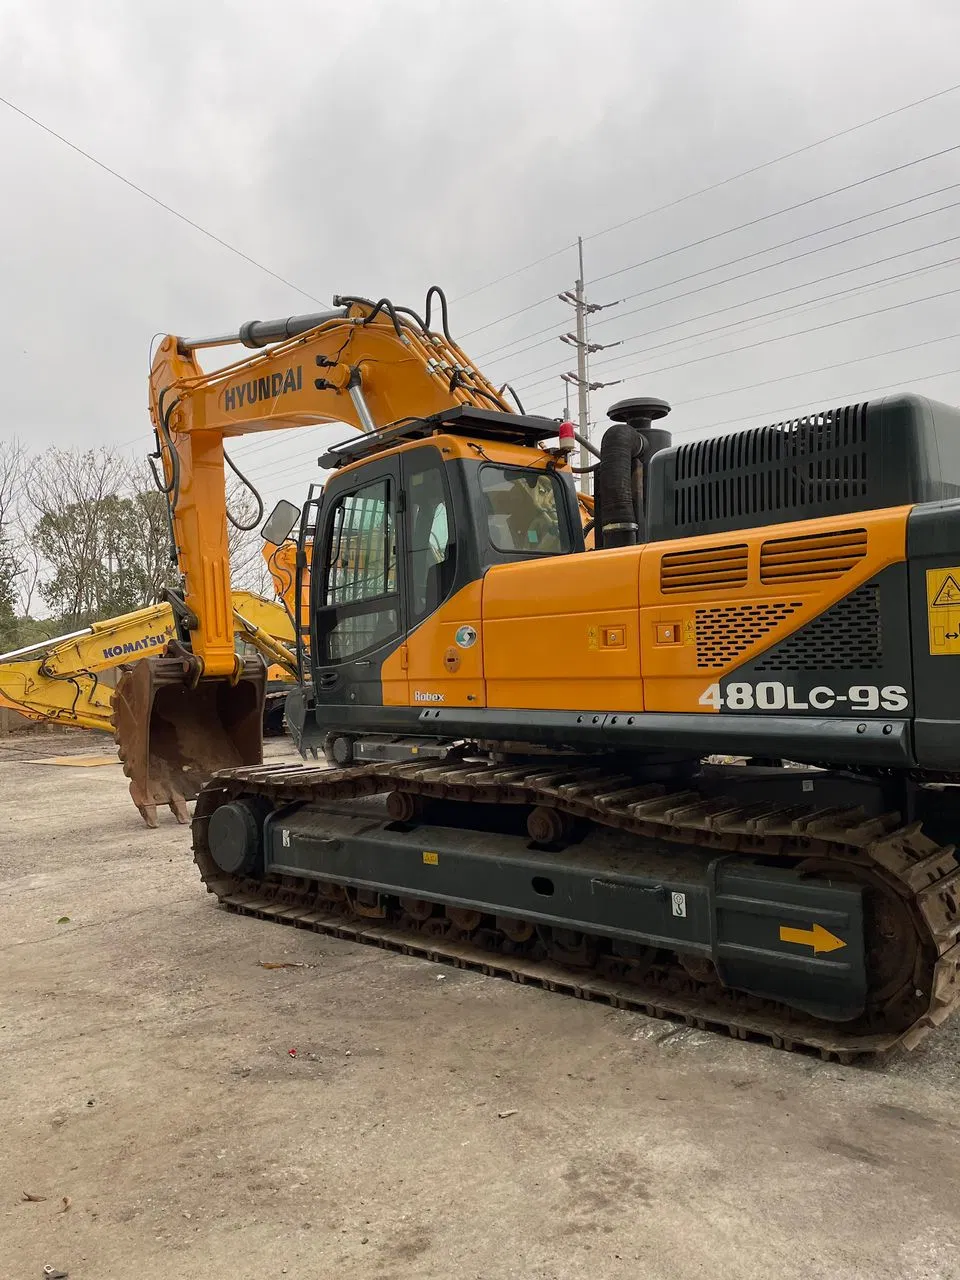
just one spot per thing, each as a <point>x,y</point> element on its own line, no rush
<point>280,522</point>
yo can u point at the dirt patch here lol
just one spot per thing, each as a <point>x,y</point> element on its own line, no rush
<point>148,1076</point>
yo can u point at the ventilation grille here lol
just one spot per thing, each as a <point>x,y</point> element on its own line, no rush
<point>708,567</point>
<point>801,467</point>
<point>814,558</point>
<point>847,637</point>
<point>723,634</point>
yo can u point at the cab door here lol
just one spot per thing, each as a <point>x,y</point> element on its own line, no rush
<point>359,612</point>
<point>443,585</point>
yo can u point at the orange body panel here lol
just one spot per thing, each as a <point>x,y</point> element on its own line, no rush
<point>563,633</point>
<point>432,663</point>
<point>616,631</point>
<point>678,669</point>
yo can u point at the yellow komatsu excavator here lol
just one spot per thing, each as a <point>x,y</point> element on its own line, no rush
<point>65,680</point>
<point>529,734</point>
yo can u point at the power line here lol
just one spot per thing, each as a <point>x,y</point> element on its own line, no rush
<point>769,414</point>
<point>801,204</point>
<point>828,324</point>
<point>794,257</point>
<point>509,316</point>
<point>298,440</point>
<point>719,235</point>
<point>746,257</point>
<point>723,182</point>
<point>778,311</point>
<point>777,293</point>
<point>516,272</point>
<point>788,155</point>
<point>766,414</point>
<point>748,322</point>
<point>278,435</point>
<point>551,329</point>
<point>276,473</point>
<point>160,203</point>
<point>824,368</point>
<point>805,284</point>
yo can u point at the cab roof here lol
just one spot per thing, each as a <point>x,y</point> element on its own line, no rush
<point>465,420</point>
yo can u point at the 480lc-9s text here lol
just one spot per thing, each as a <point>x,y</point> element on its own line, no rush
<point>771,695</point>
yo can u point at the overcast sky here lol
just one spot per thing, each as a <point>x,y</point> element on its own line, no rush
<point>379,147</point>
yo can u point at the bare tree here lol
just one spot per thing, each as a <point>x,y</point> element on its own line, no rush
<point>29,567</point>
<point>87,533</point>
<point>248,568</point>
<point>11,475</point>
<point>153,533</point>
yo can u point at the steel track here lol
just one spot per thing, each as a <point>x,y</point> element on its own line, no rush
<point>922,875</point>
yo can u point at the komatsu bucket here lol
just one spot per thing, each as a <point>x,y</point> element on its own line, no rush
<point>173,735</point>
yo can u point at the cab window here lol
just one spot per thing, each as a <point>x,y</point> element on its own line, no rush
<point>523,511</point>
<point>361,578</point>
<point>431,538</point>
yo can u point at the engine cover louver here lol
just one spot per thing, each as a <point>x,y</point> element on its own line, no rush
<point>704,568</point>
<point>816,557</point>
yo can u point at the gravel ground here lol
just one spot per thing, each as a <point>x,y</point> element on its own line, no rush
<point>150,1094</point>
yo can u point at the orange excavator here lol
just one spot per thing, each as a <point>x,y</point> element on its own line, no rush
<point>707,769</point>
<point>181,717</point>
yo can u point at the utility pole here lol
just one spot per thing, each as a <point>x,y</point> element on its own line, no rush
<point>583,402</point>
<point>581,379</point>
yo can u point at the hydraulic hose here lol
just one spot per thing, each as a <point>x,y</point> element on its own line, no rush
<point>444,312</point>
<point>244,528</point>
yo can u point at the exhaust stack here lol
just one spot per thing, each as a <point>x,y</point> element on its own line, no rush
<point>625,453</point>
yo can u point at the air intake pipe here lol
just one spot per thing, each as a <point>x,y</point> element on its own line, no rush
<point>625,452</point>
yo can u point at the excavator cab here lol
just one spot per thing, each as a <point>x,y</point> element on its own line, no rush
<point>406,527</point>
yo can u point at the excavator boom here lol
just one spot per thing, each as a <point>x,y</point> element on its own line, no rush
<point>363,364</point>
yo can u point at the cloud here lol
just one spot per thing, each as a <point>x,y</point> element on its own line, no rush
<point>377,148</point>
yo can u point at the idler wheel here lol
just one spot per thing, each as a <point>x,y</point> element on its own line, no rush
<point>235,836</point>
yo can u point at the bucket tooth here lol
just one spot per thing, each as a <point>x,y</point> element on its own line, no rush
<point>172,736</point>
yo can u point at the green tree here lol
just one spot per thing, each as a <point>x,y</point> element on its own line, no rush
<point>102,535</point>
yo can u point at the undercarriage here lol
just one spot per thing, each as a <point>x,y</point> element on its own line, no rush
<point>789,905</point>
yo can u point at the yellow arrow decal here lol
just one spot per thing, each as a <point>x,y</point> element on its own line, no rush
<point>818,937</point>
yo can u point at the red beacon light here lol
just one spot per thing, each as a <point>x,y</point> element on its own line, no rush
<point>567,441</point>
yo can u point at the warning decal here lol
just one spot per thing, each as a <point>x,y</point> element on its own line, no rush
<point>943,609</point>
<point>948,595</point>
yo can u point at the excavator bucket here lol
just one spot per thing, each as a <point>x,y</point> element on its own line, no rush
<point>173,736</point>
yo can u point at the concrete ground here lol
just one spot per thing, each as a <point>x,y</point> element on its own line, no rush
<point>432,1123</point>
